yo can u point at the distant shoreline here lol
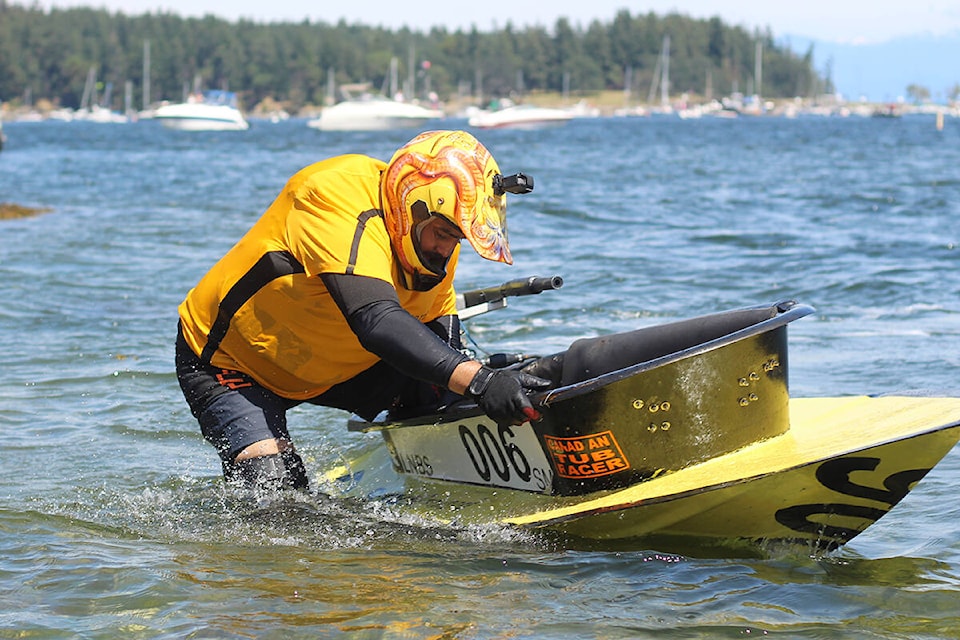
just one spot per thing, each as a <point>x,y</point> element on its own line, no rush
<point>603,103</point>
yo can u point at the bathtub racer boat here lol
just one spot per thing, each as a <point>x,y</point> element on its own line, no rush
<point>683,431</point>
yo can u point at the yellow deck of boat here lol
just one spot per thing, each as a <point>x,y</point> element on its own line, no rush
<point>876,448</point>
<point>736,494</point>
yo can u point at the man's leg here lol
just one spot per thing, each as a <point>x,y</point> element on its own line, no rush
<point>245,423</point>
<point>269,472</point>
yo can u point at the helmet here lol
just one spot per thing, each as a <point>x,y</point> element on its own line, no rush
<point>451,175</point>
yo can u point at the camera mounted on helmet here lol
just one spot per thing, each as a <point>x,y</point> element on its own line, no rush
<point>518,183</point>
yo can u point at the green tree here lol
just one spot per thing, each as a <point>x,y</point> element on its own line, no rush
<point>953,93</point>
<point>918,93</point>
<point>47,54</point>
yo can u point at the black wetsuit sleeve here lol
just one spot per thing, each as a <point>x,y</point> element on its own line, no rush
<point>448,328</point>
<point>385,329</point>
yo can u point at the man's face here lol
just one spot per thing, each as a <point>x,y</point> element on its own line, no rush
<point>438,239</point>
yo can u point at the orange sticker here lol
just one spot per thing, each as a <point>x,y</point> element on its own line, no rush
<point>589,456</point>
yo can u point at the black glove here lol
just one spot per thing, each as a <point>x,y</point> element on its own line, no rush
<point>501,393</point>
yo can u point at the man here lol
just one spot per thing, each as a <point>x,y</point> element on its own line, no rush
<point>341,295</point>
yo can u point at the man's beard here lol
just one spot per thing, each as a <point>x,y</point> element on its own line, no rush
<point>434,261</point>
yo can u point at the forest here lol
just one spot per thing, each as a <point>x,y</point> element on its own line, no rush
<point>48,55</point>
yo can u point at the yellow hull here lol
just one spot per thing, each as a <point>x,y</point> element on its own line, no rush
<point>843,463</point>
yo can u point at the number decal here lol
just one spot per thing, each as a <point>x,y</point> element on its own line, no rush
<point>412,463</point>
<point>496,453</point>
<point>490,442</point>
<point>473,450</point>
<point>515,453</point>
<point>835,475</point>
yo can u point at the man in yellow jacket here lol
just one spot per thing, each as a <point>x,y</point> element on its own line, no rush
<point>342,295</point>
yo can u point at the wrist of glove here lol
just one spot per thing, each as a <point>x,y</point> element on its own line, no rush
<point>502,394</point>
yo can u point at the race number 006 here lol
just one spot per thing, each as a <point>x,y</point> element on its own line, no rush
<point>494,452</point>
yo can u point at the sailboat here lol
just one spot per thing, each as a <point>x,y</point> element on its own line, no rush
<point>93,111</point>
<point>661,78</point>
<point>146,112</point>
<point>755,105</point>
<point>628,109</point>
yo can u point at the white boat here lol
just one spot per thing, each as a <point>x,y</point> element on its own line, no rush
<point>520,117</point>
<point>583,109</point>
<point>100,114</point>
<point>212,111</point>
<point>373,113</point>
<point>93,111</point>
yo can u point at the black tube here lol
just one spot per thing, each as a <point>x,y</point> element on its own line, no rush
<point>521,287</point>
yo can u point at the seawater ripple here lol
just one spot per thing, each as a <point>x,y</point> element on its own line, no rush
<point>113,520</point>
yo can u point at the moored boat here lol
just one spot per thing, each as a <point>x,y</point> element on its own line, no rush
<point>684,430</point>
<point>373,113</point>
<point>210,111</point>
<point>523,116</point>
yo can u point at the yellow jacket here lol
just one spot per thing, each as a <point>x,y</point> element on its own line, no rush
<point>263,308</point>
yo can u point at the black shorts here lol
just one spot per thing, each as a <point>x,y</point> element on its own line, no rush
<point>234,411</point>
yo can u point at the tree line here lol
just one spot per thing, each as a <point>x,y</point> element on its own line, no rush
<point>47,54</point>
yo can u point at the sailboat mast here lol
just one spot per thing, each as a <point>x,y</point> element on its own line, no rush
<point>89,90</point>
<point>394,77</point>
<point>146,74</point>
<point>758,69</point>
<point>656,79</point>
<point>665,80</point>
<point>411,88</point>
<point>627,85</point>
<point>661,75</point>
<point>128,99</point>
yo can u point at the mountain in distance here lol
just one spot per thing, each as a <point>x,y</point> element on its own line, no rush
<point>881,72</point>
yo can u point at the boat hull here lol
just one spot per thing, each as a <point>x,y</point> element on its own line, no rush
<point>702,388</point>
<point>201,117</point>
<point>525,125</point>
<point>198,124</point>
<point>844,463</point>
<point>384,123</point>
<point>373,115</point>
<point>684,430</point>
<point>520,117</point>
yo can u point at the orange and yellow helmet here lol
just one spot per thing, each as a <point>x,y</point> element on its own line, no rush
<point>451,175</point>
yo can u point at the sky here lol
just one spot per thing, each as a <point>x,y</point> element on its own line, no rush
<point>847,21</point>
<point>848,24</point>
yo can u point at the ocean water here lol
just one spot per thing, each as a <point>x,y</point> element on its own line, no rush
<point>113,519</point>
